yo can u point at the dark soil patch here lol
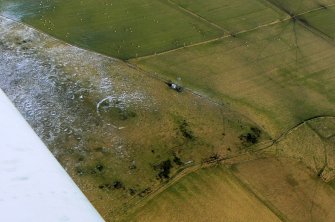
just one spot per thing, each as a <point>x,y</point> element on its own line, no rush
<point>186,130</point>
<point>164,169</point>
<point>145,192</point>
<point>116,185</point>
<point>212,159</point>
<point>290,180</point>
<point>99,167</point>
<point>132,191</point>
<point>177,160</point>
<point>323,6</point>
<point>126,114</point>
<point>251,137</point>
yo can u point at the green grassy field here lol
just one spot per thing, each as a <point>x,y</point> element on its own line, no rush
<point>267,73</point>
<point>123,29</point>
<point>234,16</point>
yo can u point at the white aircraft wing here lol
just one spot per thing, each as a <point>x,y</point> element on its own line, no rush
<point>33,185</point>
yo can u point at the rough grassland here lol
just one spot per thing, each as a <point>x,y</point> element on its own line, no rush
<point>289,179</point>
<point>212,194</point>
<point>123,29</point>
<point>311,143</point>
<point>267,73</point>
<point>234,16</point>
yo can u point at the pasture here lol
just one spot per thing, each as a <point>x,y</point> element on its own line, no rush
<point>322,21</point>
<point>123,29</point>
<point>306,198</point>
<point>205,195</point>
<point>300,6</point>
<point>234,16</point>
<point>267,74</point>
